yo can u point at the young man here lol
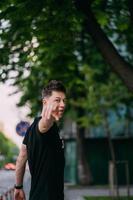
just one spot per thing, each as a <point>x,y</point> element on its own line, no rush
<point>43,149</point>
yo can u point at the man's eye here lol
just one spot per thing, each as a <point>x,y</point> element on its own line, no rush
<point>57,100</point>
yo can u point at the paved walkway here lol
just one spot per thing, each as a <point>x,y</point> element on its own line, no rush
<point>77,193</point>
<point>80,192</point>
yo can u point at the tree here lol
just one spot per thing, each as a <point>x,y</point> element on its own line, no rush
<point>58,24</point>
<point>103,97</point>
<point>110,53</point>
<point>7,150</point>
<point>42,40</point>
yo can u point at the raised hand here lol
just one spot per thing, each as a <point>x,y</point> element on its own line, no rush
<point>51,111</point>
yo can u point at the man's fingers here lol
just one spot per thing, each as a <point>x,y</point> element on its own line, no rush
<point>46,112</point>
<point>49,109</point>
<point>43,111</point>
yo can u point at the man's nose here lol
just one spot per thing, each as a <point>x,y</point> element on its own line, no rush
<point>62,104</point>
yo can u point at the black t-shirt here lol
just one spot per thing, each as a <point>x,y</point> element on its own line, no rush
<point>46,163</point>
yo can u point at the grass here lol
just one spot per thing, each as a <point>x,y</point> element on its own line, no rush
<point>107,198</point>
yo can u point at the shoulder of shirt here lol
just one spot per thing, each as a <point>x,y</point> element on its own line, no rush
<point>33,123</point>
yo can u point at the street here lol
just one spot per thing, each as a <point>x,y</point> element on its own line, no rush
<point>7,181</point>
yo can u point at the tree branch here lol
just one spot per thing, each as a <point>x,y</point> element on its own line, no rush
<point>108,51</point>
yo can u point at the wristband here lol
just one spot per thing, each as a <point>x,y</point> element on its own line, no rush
<point>18,186</point>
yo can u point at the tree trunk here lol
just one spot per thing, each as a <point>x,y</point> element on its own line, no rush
<point>128,121</point>
<point>112,152</point>
<point>84,174</point>
<point>107,130</point>
<point>108,51</point>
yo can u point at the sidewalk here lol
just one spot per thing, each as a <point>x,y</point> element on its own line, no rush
<point>78,192</point>
<point>7,181</point>
<point>72,193</point>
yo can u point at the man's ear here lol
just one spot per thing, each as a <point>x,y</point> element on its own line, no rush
<point>44,101</point>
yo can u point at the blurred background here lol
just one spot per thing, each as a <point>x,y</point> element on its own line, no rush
<point>88,45</point>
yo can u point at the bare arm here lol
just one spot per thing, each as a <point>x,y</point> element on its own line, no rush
<point>20,170</point>
<point>20,165</point>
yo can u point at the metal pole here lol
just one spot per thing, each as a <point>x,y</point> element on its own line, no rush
<point>127,178</point>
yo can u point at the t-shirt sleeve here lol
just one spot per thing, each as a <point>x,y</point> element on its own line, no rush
<point>26,137</point>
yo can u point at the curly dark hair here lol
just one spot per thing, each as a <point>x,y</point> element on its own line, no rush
<point>53,85</point>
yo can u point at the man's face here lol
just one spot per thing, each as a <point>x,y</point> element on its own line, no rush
<point>57,99</point>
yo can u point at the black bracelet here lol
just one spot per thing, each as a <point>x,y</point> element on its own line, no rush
<point>18,186</point>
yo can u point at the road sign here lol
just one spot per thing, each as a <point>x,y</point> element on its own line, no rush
<point>22,127</point>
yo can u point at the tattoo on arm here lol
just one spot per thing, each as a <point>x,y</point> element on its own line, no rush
<point>21,164</point>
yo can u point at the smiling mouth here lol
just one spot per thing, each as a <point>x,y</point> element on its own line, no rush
<point>61,111</point>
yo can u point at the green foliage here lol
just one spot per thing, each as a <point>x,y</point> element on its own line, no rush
<point>7,149</point>
<point>43,40</point>
<point>106,198</point>
<point>101,96</point>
